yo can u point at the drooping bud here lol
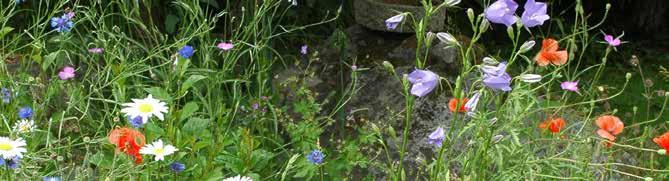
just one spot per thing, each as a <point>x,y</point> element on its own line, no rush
<point>526,46</point>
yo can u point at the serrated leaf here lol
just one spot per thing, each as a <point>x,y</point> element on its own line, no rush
<point>195,125</point>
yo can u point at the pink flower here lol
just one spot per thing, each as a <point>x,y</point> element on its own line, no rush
<point>96,50</point>
<point>66,73</point>
<point>225,46</point>
<point>570,86</point>
<point>614,42</point>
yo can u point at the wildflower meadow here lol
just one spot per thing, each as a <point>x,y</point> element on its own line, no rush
<point>251,90</point>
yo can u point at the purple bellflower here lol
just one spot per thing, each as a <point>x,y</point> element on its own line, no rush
<point>534,14</point>
<point>502,12</point>
<point>424,81</point>
<point>496,78</point>
<point>436,137</point>
<point>392,22</point>
<point>570,86</point>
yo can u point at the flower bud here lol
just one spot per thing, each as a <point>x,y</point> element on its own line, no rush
<point>662,151</point>
<point>470,15</point>
<point>530,78</point>
<point>666,94</point>
<point>490,61</point>
<point>608,6</point>
<point>429,36</point>
<point>509,31</point>
<point>484,26</point>
<point>497,138</point>
<point>628,75</point>
<point>447,38</point>
<point>452,2</point>
<point>493,121</point>
<point>526,46</point>
<point>648,179</point>
<point>388,66</point>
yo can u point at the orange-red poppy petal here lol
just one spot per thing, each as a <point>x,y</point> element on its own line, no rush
<point>606,134</point>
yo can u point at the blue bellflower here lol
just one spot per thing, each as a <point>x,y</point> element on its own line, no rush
<point>25,112</point>
<point>316,157</point>
<point>62,24</point>
<point>186,51</point>
<point>177,167</point>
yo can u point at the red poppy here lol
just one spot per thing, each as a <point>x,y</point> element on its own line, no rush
<point>609,127</point>
<point>128,140</point>
<point>553,125</point>
<point>662,140</point>
<point>454,103</point>
<point>549,53</point>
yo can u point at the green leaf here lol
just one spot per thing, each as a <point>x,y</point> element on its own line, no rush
<point>188,110</point>
<point>5,30</point>
<point>49,59</point>
<point>171,23</point>
<point>195,125</point>
<point>154,129</point>
<point>190,82</point>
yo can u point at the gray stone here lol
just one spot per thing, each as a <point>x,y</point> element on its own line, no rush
<point>373,14</point>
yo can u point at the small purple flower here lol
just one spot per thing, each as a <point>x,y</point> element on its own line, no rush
<point>96,50</point>
<point>424,81</point>
<point>470,106</point>
<point>67,73</point>
<point>51,178</point>
<point>496,78</point>
<point>304,50</point>
<point>255,106</point>
<point>225,46</point>
<point>136,122</point>
<point>64,23</point>
<point>614,42</point>
<point>186,51</point>
<point>177,167</point>
<point>436,137</point>
<point>25,112</point>
<point>14,163</point>
<point>6,95</point>
<point>535,14</point>
<point>354,67</point>
<point>316,157</point>
<point>392,22</point>
<point>502,12</point>
<point>570,86</point>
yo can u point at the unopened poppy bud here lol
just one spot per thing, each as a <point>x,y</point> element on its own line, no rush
<point>635,109</point>
<point>662,151</point>
<point>628,75</point>
<point>526,46</point>
<point>608,6</point>
<point>470,14</point>
<point>648,179</point>
<point>666,94</point>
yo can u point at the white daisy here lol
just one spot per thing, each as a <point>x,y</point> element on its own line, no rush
<point>145,108</point>
<point>158,149</point>
<point>12,148</point>
<point>238,178</point>
<point>24,126</point>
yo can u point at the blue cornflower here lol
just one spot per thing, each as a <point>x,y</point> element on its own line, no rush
<point>53,178</point>
<point>316,157</point>
<point>186,51</point>
<point>62,24</point>
<point>25,112</point>
<point>136,122</point>
<point>6,95</point>
<point>14,163</point>
<point>177,167</point>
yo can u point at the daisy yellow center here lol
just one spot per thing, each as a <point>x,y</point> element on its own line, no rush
<point>6,146</point>
<point>145,108</point>
<point>159,151</point>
